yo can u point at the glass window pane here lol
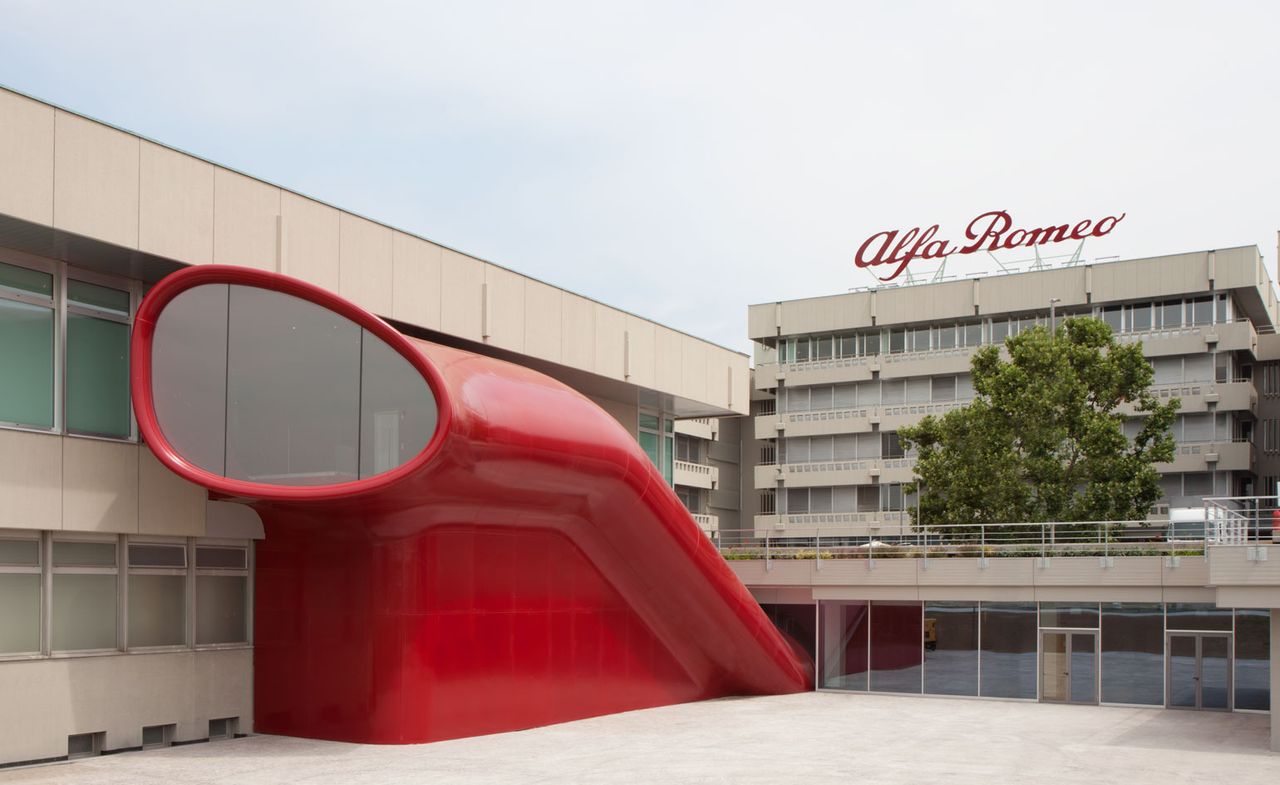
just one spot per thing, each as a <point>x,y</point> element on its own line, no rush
<point>25,280</point>
<point>1253,659</point>
<point>649,421</point>
<point>951,648</point>
<point>84,612</point>
<point>72,553</point>
<point>157,555</point>
<point>820,448</point>
<point>293,391</point>
<point>848,347</point>
<point>920,339</point>
<point>97,376</point>
<point>101,297</point>
<point>1140,317</point>
<point>823,348</point>
<point>20,552</point>
<point>221,605</point>
<point>1111,315</point>
<point>973,334</point>
<point>668,465</point>
<point>1009,649</point>
<point>802,349</point>
<point>797,449</point>
<point>397,408</point>
<point>918,390</point>
<point>649,443</point>
<point>897,341</point>
<point>1197,616</point>
<point>26,355</point>
<point>896,655</point>
<point>189,375</point>
<point>795,622</point>
<point>1068,614</point>
<point>944,388</point>
<point>19,613</point>
<point>1133,653</point>
<point>999,331</point>
<point>819,500</point>
<point>1202,311</point>
<point>872,343</point>
<point>1172,316</point>
<point>157,610</point>
<point>797,500</point>
<point>844,396</point>
<point>893,391</point>
<point>820,398</point>
<point>843,645</point>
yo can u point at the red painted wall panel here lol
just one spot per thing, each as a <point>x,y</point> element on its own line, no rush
<point>529,567</point>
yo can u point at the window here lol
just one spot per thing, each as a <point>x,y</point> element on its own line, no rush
<point>891,447</point>
<point>19,595</point>
<point>848,346</point>
<point>797,399</point>
<point>944,388</point>
<point>893,391</point>
<point>920,339</point>
<point>1202,310</point>
<point>802,350</point>
<point>691,498</point>
<point>919,390</point>
<point>687,449</point>
<point>972,334</point>
<point>797,501</point>
<point>97,359</point>
<point>1112,316</point>
<point>84,595</point>
<point>871,343</point>
<point>1140,317</point>
<point>820,398</point>
<point>222,595</point>
<point>999,330</point>
<point>897,341</point>
<point>823,347</point>
<point>946,337</point>
<point>26,346</point>
<point>891,497</point>
<point>820,449</point>
<point>157,594</point>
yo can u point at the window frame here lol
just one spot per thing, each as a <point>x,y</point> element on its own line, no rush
<point>195,572</point>
<point>116,540</point>
<point>59,303</point>
<point>188,590</point>
<point>37,569</point>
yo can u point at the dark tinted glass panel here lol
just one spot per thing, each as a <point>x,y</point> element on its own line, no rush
<point>100,297</point>
<point>1215,672</point>
<point>999,331</point>
<point>24,280</point>
<point>843,646</point>
<point>1202,311</point>
<point>293,391</point>
<point>24,552</point>
<point>872,345</point>
<point>1197,616</point>
<point>1172,316</point>
<point>796,622</point>
<point>1133,653</point>
<point>1111,315</point>
<point>1252,665</point>
<point>896,654</point>
<point>397,409</point>
<point>951,648</point>
<point>72,553</point>
<point>261,386</point>
<point>1068,614</point>
<point>1084,668</point>
<point>189,375</point>
<point>1140,317</point>
<point>97,376</point>
<point>1009,650</point>
<point>222,558</point>
<point>153,555</point>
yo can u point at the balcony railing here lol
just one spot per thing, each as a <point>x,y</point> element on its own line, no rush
<point>695,468</point>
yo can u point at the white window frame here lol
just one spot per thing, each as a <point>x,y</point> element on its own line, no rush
<point>195,571</point>
<point>116,540</point>
<point>27,569</point>
<point>187,590</point>
<point>62,273</point>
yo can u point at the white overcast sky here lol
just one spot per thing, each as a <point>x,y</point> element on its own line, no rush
<point>681,160</point>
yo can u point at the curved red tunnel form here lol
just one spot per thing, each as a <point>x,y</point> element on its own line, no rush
<point>528,566</point>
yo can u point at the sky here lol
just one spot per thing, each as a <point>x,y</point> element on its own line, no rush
<point>681,160</point>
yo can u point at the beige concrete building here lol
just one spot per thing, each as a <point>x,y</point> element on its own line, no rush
<point>125,595</point>
<point>839,375</point>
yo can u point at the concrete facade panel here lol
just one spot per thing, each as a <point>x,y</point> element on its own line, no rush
<point>365,274</point>
<point>543,321</point>
<point>167,504</point>
<point>95,187</point>
<point>504,308</point>
<point>642,352</point>
<point>577,332</point>
<point>311,240</point>
<point>100,486</point>
<point>26,158</point>
<point>668,362</point>
<point>30,480</point>
<point>462,281</point>
<point>415,276</point>
<point>611,328</point>
<point>175,212</point>
<point>246,214</point>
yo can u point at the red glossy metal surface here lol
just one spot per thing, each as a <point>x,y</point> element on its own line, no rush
<point>530,566</point>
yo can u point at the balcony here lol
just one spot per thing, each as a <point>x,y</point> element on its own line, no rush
<point>866,471</point>
<point>1235,395</point>
<point>699,428</point>
<point>696,475</point>
<point>710,524</point>
<point>878,524</point>
<point>1239,335</point>
<point>1210,456</point>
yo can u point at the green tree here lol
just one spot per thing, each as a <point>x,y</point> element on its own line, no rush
<point>1043,439</point>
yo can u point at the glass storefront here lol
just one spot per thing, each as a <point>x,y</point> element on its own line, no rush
<point>1182,655</point>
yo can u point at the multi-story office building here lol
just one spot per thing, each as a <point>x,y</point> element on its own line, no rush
<point>707,470</point>
<point>1183,622</point>
<point>842,374</point>
<point>126,595</point>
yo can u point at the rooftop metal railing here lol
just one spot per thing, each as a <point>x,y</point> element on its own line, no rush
<point>1221,521</point>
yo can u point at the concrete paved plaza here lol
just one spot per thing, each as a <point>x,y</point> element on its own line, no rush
<point>808,738</point>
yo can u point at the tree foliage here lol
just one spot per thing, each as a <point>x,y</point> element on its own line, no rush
<point>1043,438</point>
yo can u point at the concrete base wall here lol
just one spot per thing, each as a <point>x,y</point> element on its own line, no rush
<point>47,700</point>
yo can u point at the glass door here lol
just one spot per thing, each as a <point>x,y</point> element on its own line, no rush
<point>1069,666</point>
<point>1199,671</point>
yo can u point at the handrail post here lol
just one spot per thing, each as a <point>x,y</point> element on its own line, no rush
<point>817,549</point>
<point>768,556</point>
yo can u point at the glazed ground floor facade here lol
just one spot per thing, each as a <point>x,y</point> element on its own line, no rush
<point>1177,655</point>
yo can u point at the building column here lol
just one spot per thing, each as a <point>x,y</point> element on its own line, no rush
<point>1275,677</point>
